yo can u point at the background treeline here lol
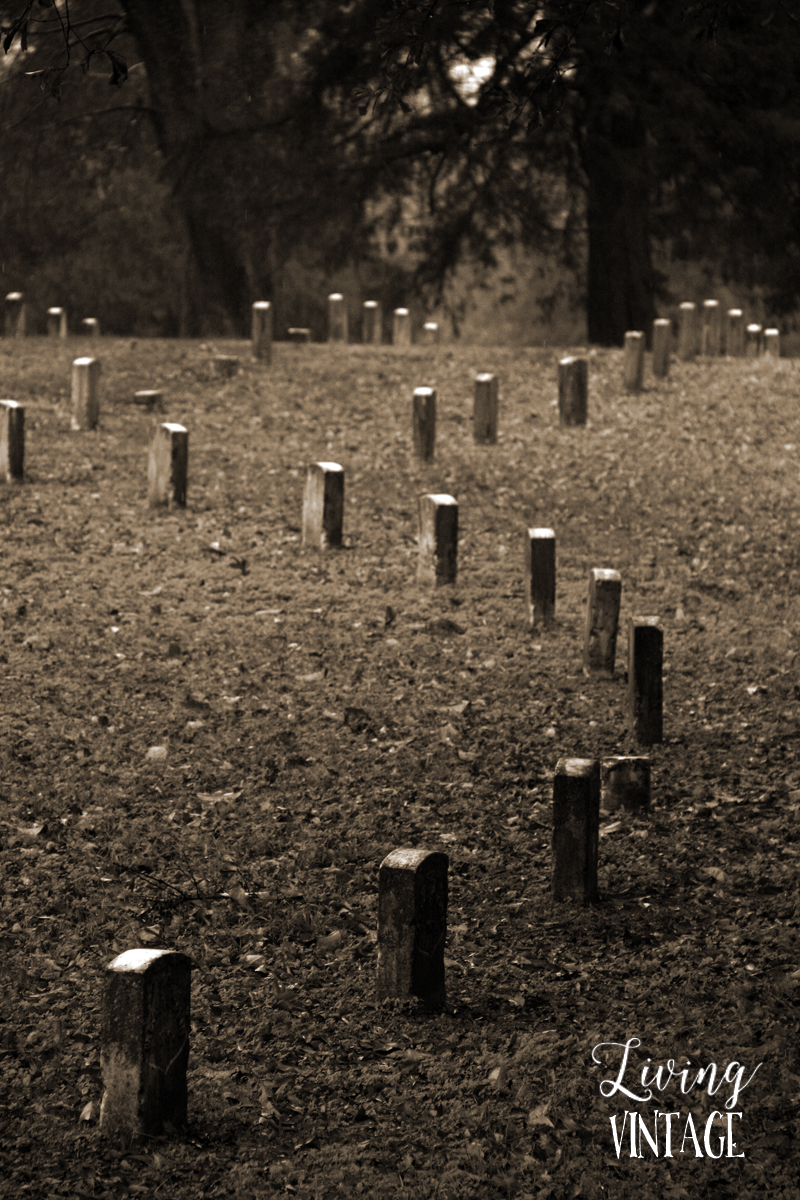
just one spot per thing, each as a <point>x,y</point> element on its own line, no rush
<point>524,171</point>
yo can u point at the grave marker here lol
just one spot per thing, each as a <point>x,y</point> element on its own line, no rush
<point>412,926</point>
<point>337,318</point>
<point>484,412</point>
<point>662,346</point>
<point>90,326</point>
<point>146,1020</point>
<point>430,333</point>
<point>423,421</point>
<point>12,441</point>
<point>56,322</point>
<point>602,622</point>
<point>149,399</point>
<point>438,539</point>
<point>573,386</point>
<point>540,577</point>
<point>401,327</point>
<point>752,341</point>
<point>298,335</point>
<point>625,783</point>
<point>85,393</point>
<point>168,466</point>
<point>16,315</point>
<point>323,506</point>
<point>261,331</point>
<point>687,331</point>
<point>371,323</point>
<point>226,365</point>
<point>711,337</point>
<point>772,343</point>
<point>576,825</point>
<point>734,333</point>
<point>645,679</point>
<point>633,370</point>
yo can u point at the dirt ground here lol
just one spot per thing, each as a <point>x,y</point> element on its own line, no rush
<point>212,737</point>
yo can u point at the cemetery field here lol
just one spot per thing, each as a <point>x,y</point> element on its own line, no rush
<point>211,738</point>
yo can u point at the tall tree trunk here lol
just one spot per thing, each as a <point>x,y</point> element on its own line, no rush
<point>621,279</point>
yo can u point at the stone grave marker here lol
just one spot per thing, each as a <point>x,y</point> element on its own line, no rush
<point>12,441</point>
<point>412,926</point>
<point>734,333</point>
<point>295,334</point>
<point>645,680</point>
<point>484,412</point>
<point>430,333</point>
<point>323,506</point>
<point>226,365</point>
<point>149,400</point>
<point>401,327</point>
<point>85,393</point>
<point>540,577</point>
<point>573,387</point>
<point>90,326</point>
<point>576,829</point>
<point>146,1021</point>
<point>438,539</point>
<point>711,334</point>
<point>168,466</point>
<point>633,361</point>
<point>56,322</point>
<point>602,622</point>
<point>625,783</point>
<point>15,316</point>
<point>337,318</point>
<point>662,346</point>
<point>752,341</point>
<point>423,422</point>
<point>772,343</point>
<point>687,331</point>
<point>261,331</point>
<point>371,323</point>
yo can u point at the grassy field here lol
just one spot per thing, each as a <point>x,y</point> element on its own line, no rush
<point>252,837</point>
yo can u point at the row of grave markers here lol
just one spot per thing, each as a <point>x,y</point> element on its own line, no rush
<point>146,1004</point>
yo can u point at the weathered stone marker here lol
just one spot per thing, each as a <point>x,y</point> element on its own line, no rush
<point>573,387</point>
<point>337,318</point>
<point>146,1022</point>
<point>430,333</point>
<point>772,343</point>
<point>15,315</point>
<point>85,393</point>
<point>149,400</point>
<point>711,335</point>
<point>752,341</point>
<point>687,331</point>
<point>261,331</point>
<point>625,783</point>
<point>576,825</point>
<point>602,622</point>
<point>484,412</point>
<point>633,369</point>
<point>294,334</point>
<point>662,346</point>
<point>12,441</point>
<point>56,322</point>
<point>323,506</point>
<point>734,333</point>
<point>226,365</point>
<point>412,926</point>
<point>371,323</point>
<point>90,326</point>
<point>645,680</point>
<point>438,539</point>
<point>401,327</point>
<point>423,422</point>
<point>168,466</point>
<point>540,577</point>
